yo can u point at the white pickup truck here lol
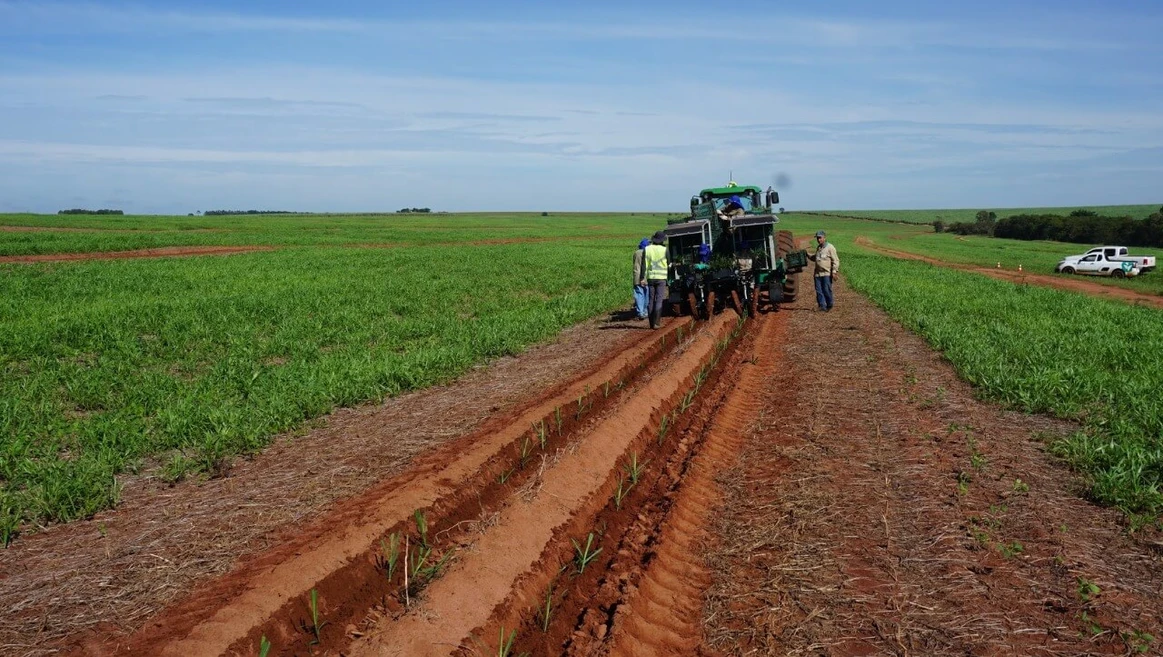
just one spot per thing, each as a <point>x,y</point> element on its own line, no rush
<point>1106,261</point>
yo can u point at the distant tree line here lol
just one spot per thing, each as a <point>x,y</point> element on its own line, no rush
<point>983,224</point>
<point>1079,227</point>
<point>413,210</point>
<point>84,211</point>
<point>1084,227</point>
<point>219,213</point>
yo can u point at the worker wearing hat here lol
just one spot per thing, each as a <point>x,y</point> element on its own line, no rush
<point>641,295</point>
<point>732,208</point>
<point>827,266</point>
<point>656,266</point>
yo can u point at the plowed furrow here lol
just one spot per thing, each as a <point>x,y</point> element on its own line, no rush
<point>339,557</point>
<point>664,615</point>
<point>571,493</point>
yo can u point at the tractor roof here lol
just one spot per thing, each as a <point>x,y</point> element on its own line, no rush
<point>729,189</point>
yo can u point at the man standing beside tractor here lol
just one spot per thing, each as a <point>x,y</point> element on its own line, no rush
<point>641,294</point>
<point>827,265</point>
<point>655,264</point>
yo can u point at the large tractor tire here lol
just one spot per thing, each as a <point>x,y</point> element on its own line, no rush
<point>737,304</point>
<point>786,243</point>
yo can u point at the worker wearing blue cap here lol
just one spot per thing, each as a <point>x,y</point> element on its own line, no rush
<point>827,266</point>
<point>732,208</point>
<point>641,293</point>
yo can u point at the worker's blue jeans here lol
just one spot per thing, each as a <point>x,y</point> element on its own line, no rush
<point>824,292</point>
<point>641,298</point>
<point>657,297</point>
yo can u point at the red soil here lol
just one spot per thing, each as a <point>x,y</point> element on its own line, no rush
<point>161,252</point>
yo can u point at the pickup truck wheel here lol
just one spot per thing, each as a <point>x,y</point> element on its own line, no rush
<point>1068,270</point>
<point>1119,273</point>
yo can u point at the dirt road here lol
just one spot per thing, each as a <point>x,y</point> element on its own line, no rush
<point>1059,282</point>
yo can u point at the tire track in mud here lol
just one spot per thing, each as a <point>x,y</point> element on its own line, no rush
<point>338,556</point>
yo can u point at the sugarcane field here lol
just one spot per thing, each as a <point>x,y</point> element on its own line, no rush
<point>567,338</point>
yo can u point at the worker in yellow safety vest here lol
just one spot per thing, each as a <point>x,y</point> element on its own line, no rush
<point>655,266</point>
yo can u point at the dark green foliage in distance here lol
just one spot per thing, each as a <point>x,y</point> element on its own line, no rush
<point>949,216</point>
<point>1084,229</point>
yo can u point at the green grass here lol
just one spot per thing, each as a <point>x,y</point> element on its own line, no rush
<point>115,233</point>
<point>180,363</point>
<point>1045,351</point>
<point>1035,256</point>
<point>968,214</point>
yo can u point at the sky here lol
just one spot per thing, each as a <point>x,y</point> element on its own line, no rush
<point>184,106</point>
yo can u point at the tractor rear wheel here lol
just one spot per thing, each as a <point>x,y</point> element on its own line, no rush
<point>736,303</point>
<point>787,244</point>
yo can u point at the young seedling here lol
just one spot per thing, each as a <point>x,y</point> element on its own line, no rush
<point>391,550</point>
<point>634,469</point>
<point>1087,589</point>
<point>584,556</point>
<point>526,450</point>
<point>264,646</point>
<point>421,526</point>
<point>606,389</point>
<point>316,626</point>
<point>422,569</point>
<point>504,475</point>
<point>663,427</point>
<point>505,646</point>
<point>621,492</point>
<point>545,609</point>
<point>1021,486</point>
<point>539,430</point>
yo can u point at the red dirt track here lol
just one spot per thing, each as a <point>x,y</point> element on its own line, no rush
<point>160,252</point>
<point>1044,280</point>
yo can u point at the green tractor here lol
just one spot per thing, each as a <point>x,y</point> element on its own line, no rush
<point>728,251</point>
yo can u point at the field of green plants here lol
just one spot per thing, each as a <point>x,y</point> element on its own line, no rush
<point>120,233</point>
<point>174,365</point>
<point>967,214</point>
<point>1044,351</point>
<point>1038,257</point>
<point>179,363</point>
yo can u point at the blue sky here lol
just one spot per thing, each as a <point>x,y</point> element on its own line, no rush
<point>172,107</point>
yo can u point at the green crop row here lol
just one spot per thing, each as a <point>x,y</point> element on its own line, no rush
<point>1045,351</point>
<point>123,233</point>
<point>179,364</point>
